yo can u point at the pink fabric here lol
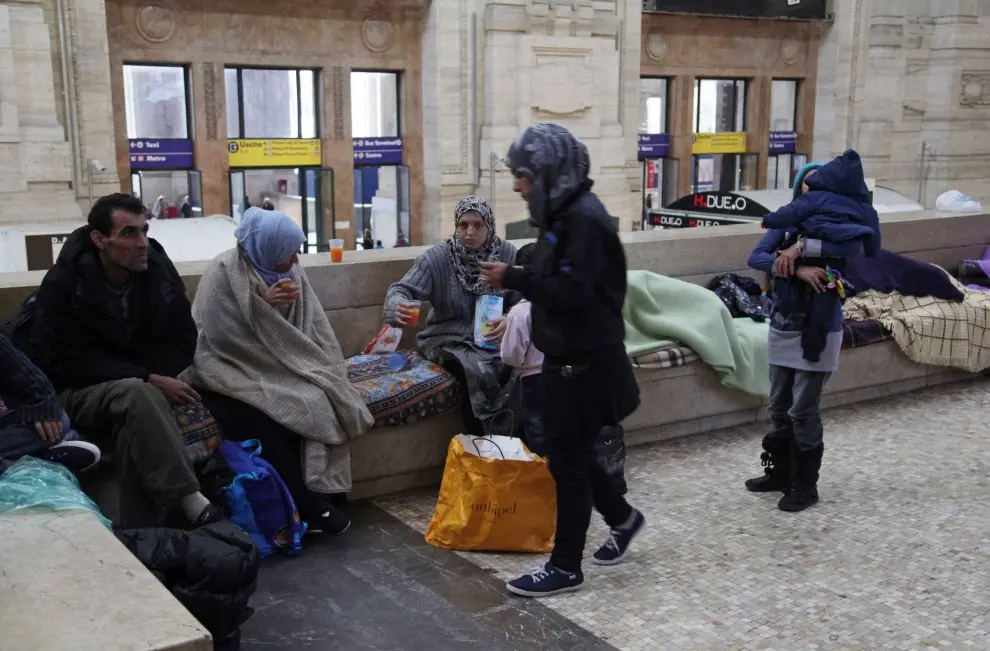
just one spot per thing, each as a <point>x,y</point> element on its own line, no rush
<point>518,350</point>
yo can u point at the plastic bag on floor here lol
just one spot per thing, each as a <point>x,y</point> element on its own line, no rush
<point>41,485</point>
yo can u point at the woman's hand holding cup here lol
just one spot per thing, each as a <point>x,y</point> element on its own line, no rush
<point>284,292</point>
<point>407,313</point>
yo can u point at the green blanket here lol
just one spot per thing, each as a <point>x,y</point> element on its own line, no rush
<point>662,312</point>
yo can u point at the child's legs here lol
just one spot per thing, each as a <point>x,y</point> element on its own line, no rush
<point>781,400</point>
<point>805,412</point>
<point>532,410</point>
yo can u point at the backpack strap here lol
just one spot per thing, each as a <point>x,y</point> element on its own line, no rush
<point>252,447</point>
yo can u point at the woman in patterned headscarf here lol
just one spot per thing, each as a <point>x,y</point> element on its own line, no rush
<point>447,275</point>
<point>576,282</point>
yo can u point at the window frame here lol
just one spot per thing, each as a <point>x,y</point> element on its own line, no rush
<point>668,88</point>
<point>398,94</point>
<point>317,77</point>
<point>187,93</point>
<point>797,100</point>
<point>696,109</point>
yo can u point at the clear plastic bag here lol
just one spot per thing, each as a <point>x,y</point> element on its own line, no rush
<point>34,484</point>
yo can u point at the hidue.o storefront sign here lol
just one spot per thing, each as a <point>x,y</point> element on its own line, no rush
<point>377,151</point>
<point>160,153</point>
<point>278,152</point>
<point>719,143</point>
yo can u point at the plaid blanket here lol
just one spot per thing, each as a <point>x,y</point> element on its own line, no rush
<point>931,330</point>
<point>667,358</point>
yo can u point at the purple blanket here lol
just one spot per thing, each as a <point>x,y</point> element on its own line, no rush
<point>890,272</point>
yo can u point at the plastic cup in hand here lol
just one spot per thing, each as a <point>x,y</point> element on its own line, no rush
<point>336,250</point>
<point>414,308</point>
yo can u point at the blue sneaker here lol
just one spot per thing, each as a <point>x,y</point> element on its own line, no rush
<point>546,582</point>
<point>617,544</point>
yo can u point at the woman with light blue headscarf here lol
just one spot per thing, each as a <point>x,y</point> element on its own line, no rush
<point>268,366</point>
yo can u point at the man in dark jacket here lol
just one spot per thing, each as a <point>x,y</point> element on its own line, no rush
<point>112,328</point>
<point>576,281</point>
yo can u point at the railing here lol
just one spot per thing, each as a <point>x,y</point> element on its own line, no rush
<point>788,9</point>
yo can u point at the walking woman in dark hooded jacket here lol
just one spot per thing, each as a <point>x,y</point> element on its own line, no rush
<point>576,282</point>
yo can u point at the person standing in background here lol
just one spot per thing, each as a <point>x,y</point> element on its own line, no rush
<point>186,210</point>
<point>576,282</point>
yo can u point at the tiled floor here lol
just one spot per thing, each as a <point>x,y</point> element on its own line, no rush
<point>896,556</point>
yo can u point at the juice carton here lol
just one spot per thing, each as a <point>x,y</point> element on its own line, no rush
<point>486,310</point>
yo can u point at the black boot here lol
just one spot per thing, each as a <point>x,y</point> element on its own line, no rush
<point>777,465</point>
<point>804,490</point>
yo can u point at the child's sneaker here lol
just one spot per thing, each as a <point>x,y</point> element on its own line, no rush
<point>546,582</point>
<point>618,541</point>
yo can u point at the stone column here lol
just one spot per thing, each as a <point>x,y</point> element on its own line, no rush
<point>92,93</point>
<point>896,77</point>
<point>35,162</point>
<point>575,63</point>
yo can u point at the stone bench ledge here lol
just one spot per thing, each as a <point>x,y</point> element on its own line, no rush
<point>66,582</point>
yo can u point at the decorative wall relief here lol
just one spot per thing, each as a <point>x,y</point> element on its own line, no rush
<point>155,22</point>
<point>210,99</point>
<point>975,89</point>
<point>377,34</point>
<point>339,91</point>
<point>562,81</point>
<point>790,50</point>
<point>656,46</point>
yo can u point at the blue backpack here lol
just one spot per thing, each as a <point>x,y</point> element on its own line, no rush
<point>259,501</point>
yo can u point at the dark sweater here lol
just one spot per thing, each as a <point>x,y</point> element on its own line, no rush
<point>24,389</point>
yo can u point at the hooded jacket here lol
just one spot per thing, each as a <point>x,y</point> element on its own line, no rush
<point>836,208</point>
<point>76,332</point>
<point>837,222</point>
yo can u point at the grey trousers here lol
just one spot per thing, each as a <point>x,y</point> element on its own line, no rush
<point>795,406</point>
<point>134,421</point>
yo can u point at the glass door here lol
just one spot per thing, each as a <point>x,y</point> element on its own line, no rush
<point>316,189</point>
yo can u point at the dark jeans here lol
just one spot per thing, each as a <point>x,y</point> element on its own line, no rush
<point>795,406</point>
<point>133,419</point>
<point>18,440</point>
<point>530,427</point>
<point>280,446</point>
<point>575,409</point>
<point>471,423</point>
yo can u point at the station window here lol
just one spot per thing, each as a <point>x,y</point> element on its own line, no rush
<point>381,184</point>
<point>720,107</point>
<point>156,101</point>
<point>781,167</point>
<point>271,103</point>
<point>653,93</point>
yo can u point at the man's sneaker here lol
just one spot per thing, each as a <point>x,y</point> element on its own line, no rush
<point>77,456</point>
<point>618,541</point>
<point>546,582</point>
<point>334,522</point>
<point>209,515</point>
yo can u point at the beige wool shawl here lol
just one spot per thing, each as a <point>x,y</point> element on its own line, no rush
<point>288,365</point>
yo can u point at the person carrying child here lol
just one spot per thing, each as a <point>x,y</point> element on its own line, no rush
<point>830,220</point>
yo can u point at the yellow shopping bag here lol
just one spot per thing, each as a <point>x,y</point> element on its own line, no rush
<point>496,496</point>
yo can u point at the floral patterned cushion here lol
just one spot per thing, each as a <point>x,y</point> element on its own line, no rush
<point>419,390</point>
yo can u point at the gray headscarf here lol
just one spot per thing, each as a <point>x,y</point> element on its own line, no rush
<point>555,161</point>
<point>464,260</point>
